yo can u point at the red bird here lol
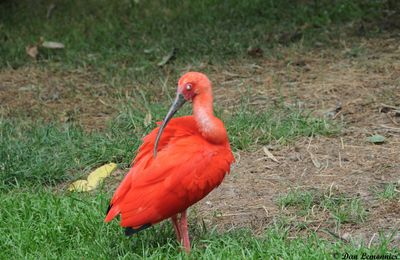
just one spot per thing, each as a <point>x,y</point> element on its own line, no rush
<point>177,165</point>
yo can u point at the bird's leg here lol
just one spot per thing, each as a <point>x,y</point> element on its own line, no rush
<point>175,223</point>
<point>184,231</point>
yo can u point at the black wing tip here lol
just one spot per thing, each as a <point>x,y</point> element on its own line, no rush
<point>131,231</point>
<point>109,208</point>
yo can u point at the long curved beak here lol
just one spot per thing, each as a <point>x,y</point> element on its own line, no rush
<point>178,103</point>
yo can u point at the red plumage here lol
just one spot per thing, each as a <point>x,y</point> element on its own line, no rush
<point>187,167</point>
<point>178,164</point>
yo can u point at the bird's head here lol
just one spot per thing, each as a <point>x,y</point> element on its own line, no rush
<point>190,85</point>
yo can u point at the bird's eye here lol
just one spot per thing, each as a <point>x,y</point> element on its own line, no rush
<point>188,87</point>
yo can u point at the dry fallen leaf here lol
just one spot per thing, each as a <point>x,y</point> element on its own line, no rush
<point>147,119</point>
<point>32,51</point>
<point>52,45</point>
<point>167,58</point>
<point>94,178</point>
<point>255,51</point>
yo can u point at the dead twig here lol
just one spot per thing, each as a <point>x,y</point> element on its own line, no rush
<point>391,119</point>
<point>386,108</point>
<point>391,129</point>
<point>314,160</point>
<point>50,10</point>
<point>266,211</point>
<point>370,241</point>
<point>336,115</point>
<point>235,214</point>
<point>327,231</point>
<point>317,228</point>
<point>309,142</point>
<point>269,154</point>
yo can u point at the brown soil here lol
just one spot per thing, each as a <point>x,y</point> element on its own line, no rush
<point>353,90</point>
<point>357,85</point>
<point>61,96</point>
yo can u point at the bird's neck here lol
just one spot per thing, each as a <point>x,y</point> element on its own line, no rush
<point>210,126</point>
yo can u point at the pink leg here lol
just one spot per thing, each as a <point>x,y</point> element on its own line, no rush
<point>184,231</point>
<point>175,223</point>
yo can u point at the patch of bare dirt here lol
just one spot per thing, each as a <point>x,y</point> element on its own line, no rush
<point>358,86</point>
<point>63,96</point>
<point>349,165</point>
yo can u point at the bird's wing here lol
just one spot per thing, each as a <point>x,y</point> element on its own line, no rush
<point>185,170</point>
<point>180,175</point>
<point>177,128</point>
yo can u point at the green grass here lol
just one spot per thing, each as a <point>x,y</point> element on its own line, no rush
<point>129,38</point>
<point>247,127</point>
<point>297,198</point>
<point>38,224</point>
<point>389,192</point>
<point>345,209</point>
<point>342,208</point>
<point>47,154</point>
<point>41,153</point>
<point>120,43</point>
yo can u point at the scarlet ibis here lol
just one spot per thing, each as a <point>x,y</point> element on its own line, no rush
<point>178,164</point>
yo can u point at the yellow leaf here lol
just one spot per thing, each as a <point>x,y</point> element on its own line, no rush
<point>79,185</point>
<point>94,178</point>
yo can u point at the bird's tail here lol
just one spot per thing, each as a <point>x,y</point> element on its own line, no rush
<point>129,231</point>
<point>113,211</point>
